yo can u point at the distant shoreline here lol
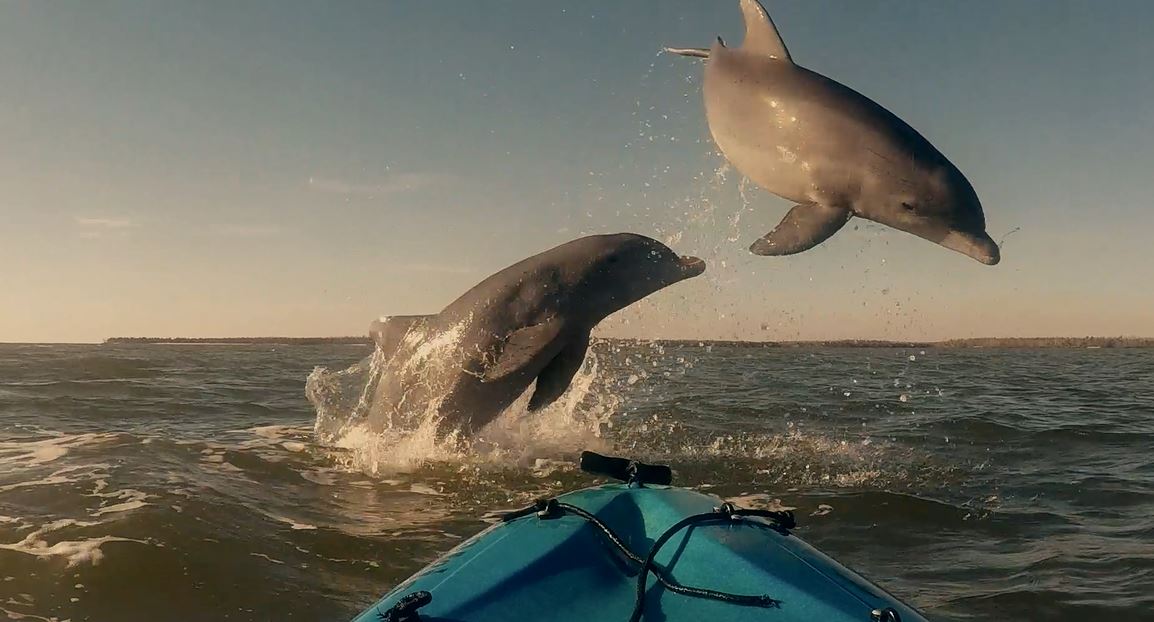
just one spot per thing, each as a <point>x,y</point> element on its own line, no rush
<point>221,341</point>
<point>980,342</point>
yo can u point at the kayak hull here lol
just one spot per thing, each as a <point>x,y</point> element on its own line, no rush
<point>565,568</point>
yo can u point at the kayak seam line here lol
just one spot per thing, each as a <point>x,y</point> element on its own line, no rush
<point>829,578</point>
<point>467,563</point>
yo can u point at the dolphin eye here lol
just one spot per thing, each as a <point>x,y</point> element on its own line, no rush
<point>908,207</point>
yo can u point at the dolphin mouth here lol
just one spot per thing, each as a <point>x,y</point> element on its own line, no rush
<point>691,266</point>
<point>978,246</point>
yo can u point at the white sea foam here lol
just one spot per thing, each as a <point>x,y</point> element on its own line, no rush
<point>63,475</point>
<point>121,507</point>
<point>74,551</point>
<point>16,615</point>
<point>295,525</point>
<point>129,499</point>
<point>27,454</point>
<point>266,557</point>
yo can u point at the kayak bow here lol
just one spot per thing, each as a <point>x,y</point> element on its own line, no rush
<point>603,552</point>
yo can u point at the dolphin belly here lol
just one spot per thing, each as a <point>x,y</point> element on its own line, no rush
<point>799,134</point>
<point>758,128</point>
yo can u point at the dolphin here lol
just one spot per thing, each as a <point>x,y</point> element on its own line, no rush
<point>830,149</point>
<point>528,323</point>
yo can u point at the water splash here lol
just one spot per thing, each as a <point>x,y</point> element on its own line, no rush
<point>405,438</point>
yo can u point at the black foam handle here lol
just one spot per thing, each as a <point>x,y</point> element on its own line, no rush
<point>625,470</point>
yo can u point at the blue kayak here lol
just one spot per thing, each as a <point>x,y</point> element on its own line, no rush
<point>638,551</point>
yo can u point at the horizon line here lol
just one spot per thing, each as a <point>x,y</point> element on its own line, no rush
<point>366,340</point>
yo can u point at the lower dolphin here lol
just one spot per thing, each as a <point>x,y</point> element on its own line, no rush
<point>528,323</point>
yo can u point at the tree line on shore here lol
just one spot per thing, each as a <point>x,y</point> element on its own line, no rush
<point>979,342</point>
<point>243,340</point>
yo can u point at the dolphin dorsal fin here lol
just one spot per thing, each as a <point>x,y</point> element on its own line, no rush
<point>387,332</point>
<point>761,34</point>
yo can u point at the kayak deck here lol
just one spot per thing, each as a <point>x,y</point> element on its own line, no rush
<point>566,568</point>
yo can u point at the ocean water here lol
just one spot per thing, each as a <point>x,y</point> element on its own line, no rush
<point>187,483</point>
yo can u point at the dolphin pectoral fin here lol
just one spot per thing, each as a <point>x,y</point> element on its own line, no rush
<point>804,227</point>
<point>555,378</point>
<point>760,32</point>
<point>521,347</point>
<point>693,52</point>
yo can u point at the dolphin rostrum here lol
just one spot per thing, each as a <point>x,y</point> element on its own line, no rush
<point>830,149</point>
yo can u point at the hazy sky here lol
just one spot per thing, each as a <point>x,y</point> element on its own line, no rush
<point>299,168</point>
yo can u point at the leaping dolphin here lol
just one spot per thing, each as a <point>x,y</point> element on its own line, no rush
<point>527,323</point>
<point>830,149</point>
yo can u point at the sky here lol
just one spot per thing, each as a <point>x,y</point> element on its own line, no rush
<point>298,168</point>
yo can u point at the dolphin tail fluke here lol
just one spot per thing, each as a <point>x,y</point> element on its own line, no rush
<point>804,227</point>
<point>691,52</point>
